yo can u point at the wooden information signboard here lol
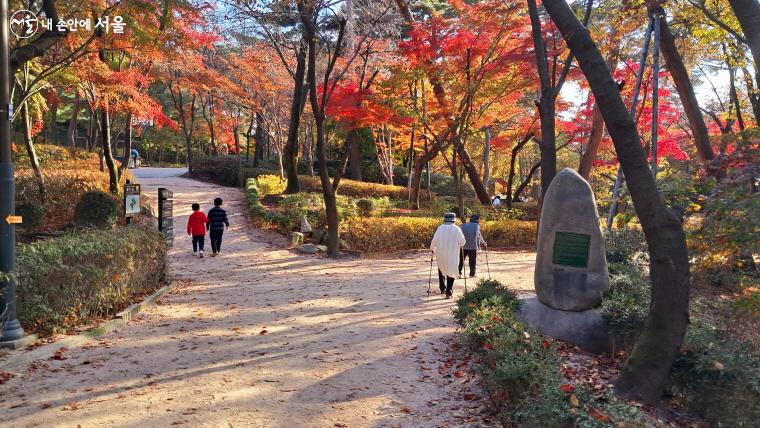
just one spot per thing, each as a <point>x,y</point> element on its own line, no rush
<point>131,199</point>
<point>571,249</point>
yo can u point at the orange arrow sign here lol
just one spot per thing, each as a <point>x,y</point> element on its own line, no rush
<point>14,219</point>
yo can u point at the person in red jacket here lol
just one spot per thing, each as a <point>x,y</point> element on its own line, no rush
<point>196,227</point>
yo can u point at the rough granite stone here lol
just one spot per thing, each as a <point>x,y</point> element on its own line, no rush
<point>309,249</point>
<point>569,206</point>
<point>585,329</point>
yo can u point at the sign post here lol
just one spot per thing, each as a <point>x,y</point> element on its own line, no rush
<point>10,329</point>
<point>166,214</point>
<point>131,200</point>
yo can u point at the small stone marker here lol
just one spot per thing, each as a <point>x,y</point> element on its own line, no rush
<point>571,268</point>
<point>296,239</point>
<point>305,226</point>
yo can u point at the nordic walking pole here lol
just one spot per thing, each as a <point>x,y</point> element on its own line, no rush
<point>488,266</point>
<point>430,277</point>
<point>465,276</point>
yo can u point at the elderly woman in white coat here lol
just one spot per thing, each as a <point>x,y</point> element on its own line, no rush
<point>446,245</point>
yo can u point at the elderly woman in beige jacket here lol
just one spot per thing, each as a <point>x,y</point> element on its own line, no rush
<point>446,245</point>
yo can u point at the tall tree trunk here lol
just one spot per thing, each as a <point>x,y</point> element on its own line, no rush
<point>93,137</point>
<point>594,141</point>
<point>105,139</point>
<point>296,110</point>
<point>510,179</point>
<point>735,96</point>
<point>127,144</point>
<point>353,147</point>
<point>647,369</point>
<point>525,182</point>
<point>753,93</point>
<point>473,174</point>
<point>331,205</point>
<point>258,139</point>
<point>248,138</point>
<point>597,122</point>
<point>355,159</point>
<point>547,143</point>
<point>50,137</point>
<point>487,159</point>
<point>546,107</point>
<point>33,159</point>
<point>685,90</point>
<point>748,14</point>
<point>71,131</point>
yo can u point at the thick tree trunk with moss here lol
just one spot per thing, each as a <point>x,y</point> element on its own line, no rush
<point>647,369</point>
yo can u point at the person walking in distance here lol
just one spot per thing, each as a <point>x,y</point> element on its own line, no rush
<point>474,240</point>
<point>196,227</point>
<point>217,223</point>
<point>446,245</point>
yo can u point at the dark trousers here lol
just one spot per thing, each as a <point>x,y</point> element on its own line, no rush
<point>447,285</point>
<point>198,242</point>
<point>216,239</point>
<point>472,255</point>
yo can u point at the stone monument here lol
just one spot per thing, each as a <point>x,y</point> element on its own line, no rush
<point>571,274</point>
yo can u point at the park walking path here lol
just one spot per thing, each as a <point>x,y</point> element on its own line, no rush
<point>264,336</point>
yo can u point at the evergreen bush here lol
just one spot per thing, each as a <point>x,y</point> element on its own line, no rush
<point>67,281</point>
<point>97,209</point>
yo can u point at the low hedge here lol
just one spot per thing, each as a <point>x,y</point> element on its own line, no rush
<point>223,170</point>
<point>378,234</point>
<point>67,281</point>
<point>374,234</point>
<point>356,189</point>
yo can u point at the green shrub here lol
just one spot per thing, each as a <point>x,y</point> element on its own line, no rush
<point>270,185</point>
<point>69,280</point>
<point>489,213</point>
<point>520,370</point>
<point>484,289</point>
<point>626,307</point>
<point>719,376</point>
<point>623,244</point>
<point>223,170</point>
<point>97,209</point>
<point>748,305</point>
<point>356,189</point>
<point>32,214</point>
<point>365,207</point>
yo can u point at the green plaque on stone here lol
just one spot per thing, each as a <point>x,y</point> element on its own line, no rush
<point>571,249</point>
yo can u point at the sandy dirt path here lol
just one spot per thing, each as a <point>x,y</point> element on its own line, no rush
<point>265,337</point>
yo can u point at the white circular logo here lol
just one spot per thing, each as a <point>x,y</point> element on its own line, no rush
<point>24,24</point>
